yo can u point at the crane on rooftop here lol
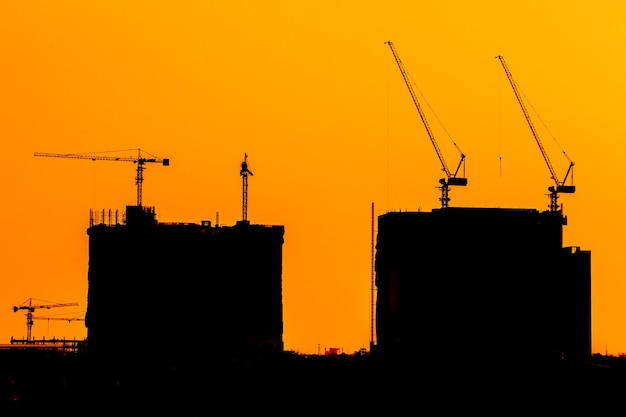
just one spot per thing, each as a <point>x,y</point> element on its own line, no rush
<point>244,172</point>
<point>559,186</point>
<point>30,308</point>
<point>140,160</point>
<point>451,178</point>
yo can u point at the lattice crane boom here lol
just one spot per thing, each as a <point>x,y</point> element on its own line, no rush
<point>451,178</point>
<point>559,187</point>
<point>139,160</point>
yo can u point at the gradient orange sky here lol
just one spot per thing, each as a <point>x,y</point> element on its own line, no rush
<point>312,94</point>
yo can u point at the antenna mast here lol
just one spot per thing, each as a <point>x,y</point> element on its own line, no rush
<point>373,304</point>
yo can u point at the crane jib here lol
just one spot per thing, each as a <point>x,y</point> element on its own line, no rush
<point>451,179</point>
<point>139,160</point>
<point>559,187</point>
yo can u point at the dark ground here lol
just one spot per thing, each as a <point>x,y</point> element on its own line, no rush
<point>50,383</point>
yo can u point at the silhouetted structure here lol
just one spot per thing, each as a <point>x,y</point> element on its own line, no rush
<point>179,293</point>
<point>470,284</point>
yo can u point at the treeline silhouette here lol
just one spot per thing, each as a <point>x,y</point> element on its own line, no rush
<point>35,381</point>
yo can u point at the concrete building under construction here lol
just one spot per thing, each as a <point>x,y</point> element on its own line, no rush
<point>478,283</point>
<point>172,292</point>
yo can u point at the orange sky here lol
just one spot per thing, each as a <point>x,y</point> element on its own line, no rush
<point>311,93</point>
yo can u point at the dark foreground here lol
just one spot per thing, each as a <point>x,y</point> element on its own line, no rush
<point>40,383</point>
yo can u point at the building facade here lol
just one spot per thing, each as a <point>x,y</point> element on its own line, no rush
<point>480,283</point>
<point>177,292</point>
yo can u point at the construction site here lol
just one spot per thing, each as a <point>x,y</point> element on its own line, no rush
<point>507,293</point>
<point>507,288</point>
<point>194,270</point>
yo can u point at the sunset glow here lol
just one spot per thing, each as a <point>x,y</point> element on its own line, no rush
<point>310,94</point>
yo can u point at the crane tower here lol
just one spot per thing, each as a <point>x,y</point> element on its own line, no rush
<point>451,178</point>
<point>30,308</point>
<point>244,172</point>
<point>139,160</point>
<point>558,187</point>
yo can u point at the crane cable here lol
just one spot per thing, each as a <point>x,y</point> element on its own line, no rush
<point>433,112</point>
<point>544,124</point>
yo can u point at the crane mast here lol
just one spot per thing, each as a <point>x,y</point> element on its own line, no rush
<point>139,160</point>
<point>244,172</point>
<point>451,178</point>
<point>559,187</point>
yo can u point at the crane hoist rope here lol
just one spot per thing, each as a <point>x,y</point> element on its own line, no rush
<point>139,160</point>
<point>559,187</point>
<point>451,178</point>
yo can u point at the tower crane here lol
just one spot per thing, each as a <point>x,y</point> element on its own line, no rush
<point>558,187</point>
<point>451,178</point>
<point>30,309</point>
<point>244,172</point>
<point>139,160</point>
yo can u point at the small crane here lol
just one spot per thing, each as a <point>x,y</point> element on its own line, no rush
<point>139,160</point>
<point>558,187</point>
<point>67,319</point>
<point>451,179</point>
<point>244,172</point>
<point>30,309</point>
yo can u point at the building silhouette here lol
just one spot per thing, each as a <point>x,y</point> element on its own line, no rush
<point>178,293</point>
<point>476,284</point>
<point>188,316</point>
